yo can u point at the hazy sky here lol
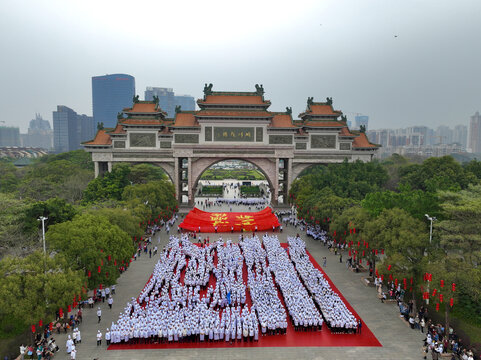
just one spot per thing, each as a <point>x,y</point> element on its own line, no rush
<point>429,74</point>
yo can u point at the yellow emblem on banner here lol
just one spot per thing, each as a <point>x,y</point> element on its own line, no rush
<point>219,219</point>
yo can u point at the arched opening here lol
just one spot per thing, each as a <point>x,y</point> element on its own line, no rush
<point>232,185</point>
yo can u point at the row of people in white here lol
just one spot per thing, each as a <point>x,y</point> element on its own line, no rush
<point>299,304</point>
<point>337,316</point>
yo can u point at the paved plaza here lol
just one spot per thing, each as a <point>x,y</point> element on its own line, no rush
<point>398,340</point>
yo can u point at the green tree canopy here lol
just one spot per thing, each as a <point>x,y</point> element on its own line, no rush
<point>416,202</point>
<point>346,180</point>
<point>33,288</point>
<point>55,209</point>
<point>435,174</point>
<point>87,241</point>
<point>460,232</point>
<point>151,199</point>
<point>8,177</point>
<point>12,236</point>
<point>110,186</point>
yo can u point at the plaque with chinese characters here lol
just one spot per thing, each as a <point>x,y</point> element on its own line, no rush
<point>142,139</point>
<point>234,134</point>
<point>323,141</point>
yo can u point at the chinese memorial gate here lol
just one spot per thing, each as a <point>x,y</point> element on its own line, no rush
<point>229,125</point>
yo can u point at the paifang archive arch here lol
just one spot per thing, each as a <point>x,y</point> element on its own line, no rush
<point>229,125</point>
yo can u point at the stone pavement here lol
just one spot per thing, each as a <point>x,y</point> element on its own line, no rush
<point>398,339</point>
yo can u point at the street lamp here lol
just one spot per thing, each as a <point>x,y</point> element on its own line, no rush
<point>431,219</point>
<point>42,219</point>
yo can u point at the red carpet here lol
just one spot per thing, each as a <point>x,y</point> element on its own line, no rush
<point>291,339</point>
<point>225,221</point>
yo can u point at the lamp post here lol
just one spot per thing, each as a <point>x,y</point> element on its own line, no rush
<point>42,219</point>
<point>431,219</point>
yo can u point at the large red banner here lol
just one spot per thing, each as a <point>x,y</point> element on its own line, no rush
<point>228,221</point>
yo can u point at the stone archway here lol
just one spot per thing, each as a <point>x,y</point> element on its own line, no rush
<point>266,166</point>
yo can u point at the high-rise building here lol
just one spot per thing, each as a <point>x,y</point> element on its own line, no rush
<point>444,135</point>
<point>9,136</point>
<point>475,133</point>
<point>460,135</point>
<point>39,135</point>
<point>168,100</point>
<point>110,95</point>
<point>70,129</point>
<point>361,120</point>
<point>186,102</point>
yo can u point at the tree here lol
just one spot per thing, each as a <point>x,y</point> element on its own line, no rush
<point>123,217</point>
<point>416,202</point>
<point>460,232</point>
<point>144,173</point>
<point>55,209</point>
<point>110,186</point>
<point>474,167</point>
<point>151,199</point>
<point>8,177</point>
<point>435,174</point>
<point>91,243</point>
<point>405,241</point>
<point>12,236</point>
<point>45,179</point>
<point>347,180</point>
<point>33,288</point>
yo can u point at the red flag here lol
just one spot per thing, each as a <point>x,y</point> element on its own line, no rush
<point>115,262</point>
<point>442,283</point>
<point>109,258</point>
<point>60,312</point>
<point>434,292</point>
<point>89,274</point>
<point>382,251</point>
<point>451,302</point>
<point>377,273</point>
<point>437,307</point>
<point>40,323</point>
<point>453,287</point>
<point>389,268</point>
<point>390,277</point>
<point>100,286</point>
<point>33,328</point>
<point>50,326</point>
<point>382,277</point>
<point>395,282</point>
<point>354,230</point>
<point>69,308</point>
<point>441,298</point>
<point>98,269</point>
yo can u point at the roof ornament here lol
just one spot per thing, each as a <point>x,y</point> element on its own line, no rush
<point>343,118</point>
<point>329,100</point>
<point>259,89</point>
<point>289,110</point>
<point>120,116</point>
<point>100,126</point>
<point>310,101</point>
<point>177,109</point>
<point>135,99</point>
<point>362,128</point>
<point>208,89</point>
<point>156,99</point>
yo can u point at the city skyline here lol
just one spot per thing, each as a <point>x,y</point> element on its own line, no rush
<point>402,64</point>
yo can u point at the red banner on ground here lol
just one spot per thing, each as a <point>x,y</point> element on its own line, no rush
<point>228,221</point>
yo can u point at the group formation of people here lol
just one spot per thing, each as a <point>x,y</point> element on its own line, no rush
<point>338,317</point>
<point>180,302</point>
